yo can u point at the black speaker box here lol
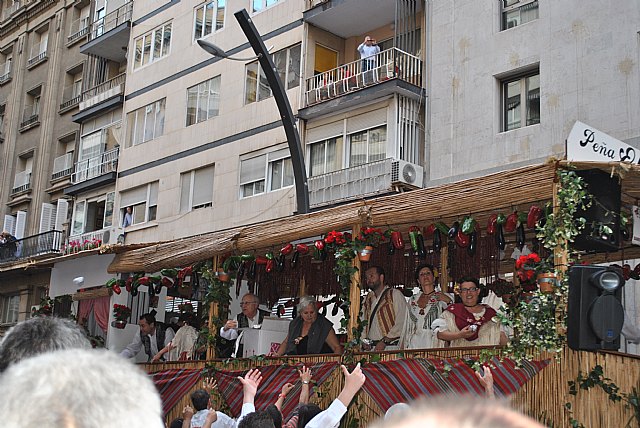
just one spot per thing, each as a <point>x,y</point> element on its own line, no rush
<point>595,317</point>
<point>604,211</point>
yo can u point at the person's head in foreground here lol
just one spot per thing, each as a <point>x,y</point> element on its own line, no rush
<point>78,389</point>
<point>458,412</point>
<point>39,335</point>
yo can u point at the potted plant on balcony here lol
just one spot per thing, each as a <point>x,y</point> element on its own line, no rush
<point>121,313</point>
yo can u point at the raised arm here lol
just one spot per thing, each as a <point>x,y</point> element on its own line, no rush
<point>305,378</point>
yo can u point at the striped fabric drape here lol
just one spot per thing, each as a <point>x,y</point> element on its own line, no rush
<point>173,384</point>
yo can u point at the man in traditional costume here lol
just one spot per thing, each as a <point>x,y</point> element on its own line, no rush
<point>384,310</point>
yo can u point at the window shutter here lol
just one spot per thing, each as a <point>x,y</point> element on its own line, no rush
<point>9,224</point>
<point>133,196</point>
<point>203,186</point>
<point>324,132</point>
<point>252,169</point>
<point>47,218</point>
<point>367,120</point>
<point>153,194</point>
<point>21,221</point>
<point>62,211</point>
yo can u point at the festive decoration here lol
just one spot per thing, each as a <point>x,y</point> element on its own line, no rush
<point>526,267</point>
<point>45,308</point>
<point>77,246</point>
<point>121,313</point>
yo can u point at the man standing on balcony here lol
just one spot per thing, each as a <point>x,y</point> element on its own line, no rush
<point>368,51</point>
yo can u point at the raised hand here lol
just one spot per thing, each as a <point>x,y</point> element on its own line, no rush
<point>305,374</point>
<point>286,388</point>
<point>209,384</point>
<point>250,383</point>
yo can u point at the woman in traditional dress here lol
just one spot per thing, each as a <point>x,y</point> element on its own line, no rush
<point>182,347</point>
<point>310,332</point>
<point>424,308</point>
<point>470,323</point>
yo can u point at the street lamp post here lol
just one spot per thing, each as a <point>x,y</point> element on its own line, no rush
<point>280,96</point>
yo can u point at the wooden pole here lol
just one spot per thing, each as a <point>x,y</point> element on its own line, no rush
<point>354,291</point>
<point>444,268</point>
<point>214,312</point>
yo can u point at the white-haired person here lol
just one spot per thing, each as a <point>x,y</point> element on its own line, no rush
<point>39,335</point>
<point>310,332</point>
<point>78,388</point>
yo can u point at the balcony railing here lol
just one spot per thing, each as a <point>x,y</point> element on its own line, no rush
<point>389,64</point>
<point>29,116</point>
<point>21,182</point>
<point>38,53</point>
<point>31,246</point>
<point>95,166</point>
<point>104,87</point>
<point>62,166</point>
<point>79,29</point>
<point>71,95</point>
<point>5,71</point>
<point>111,20</point>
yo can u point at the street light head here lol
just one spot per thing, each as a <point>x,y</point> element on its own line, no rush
<point>219,52</point>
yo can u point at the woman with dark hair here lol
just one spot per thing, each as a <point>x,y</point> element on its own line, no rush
<point>182,347</point>
<point>424,308</point>
<point>469,323</point>
<point>310,332</point>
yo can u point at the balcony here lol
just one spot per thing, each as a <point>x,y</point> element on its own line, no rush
<point>394,71</point>
<point>46,243</point>
<point>5,72</point>
<point>30,117</point>
<point>109,36</point>
<point>374,178</point>
<point>6,14</point>
<point>21,182</point>
<point>79,29</point>
<point>71,97</point>
<point>91,240</point>
<point>102,164</point>
<point>101,98</point>
<point>38,54</point>
<point>62,166</point>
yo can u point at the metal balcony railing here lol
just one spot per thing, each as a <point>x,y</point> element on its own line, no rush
<point>95,166</point>
<point>104,87</point>
<point>389,64</point>
<point>21,182</point>
<point>62,166</point>
<point>71,95</point>
<point>79,28</point>
<point>31,246</point>
<point>38,53</point>
<point>5,71</point>
<point>111,20</point>
<point>30,115</point>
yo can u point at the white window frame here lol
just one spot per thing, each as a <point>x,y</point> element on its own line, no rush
<point>510,6</point>
<point>139,46</point>
<point>266,179</point>
<point>190,177</point>
<point>325,142</point>
<point>138,119</point>
<point>286,165</point>
<point>260,5</point>
<point>204,93</point>
<point>262,80</point>
<point>368,145</point>
<point>10,309</point>
<point>524,107</point>
<point>79,215</point>
<point>216,6</point>
<point>144,208</point>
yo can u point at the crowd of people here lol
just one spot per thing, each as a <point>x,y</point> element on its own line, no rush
<point>49,362</point>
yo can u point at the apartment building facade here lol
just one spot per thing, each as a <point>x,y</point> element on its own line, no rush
<point>457,91</point>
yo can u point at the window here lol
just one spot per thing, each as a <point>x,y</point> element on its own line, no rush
<point>203,101</point>
<point>258,5</point>
<point>517,12</point>
<point>152,46</point>
<point>196,189</point>
<point>22,179</point>
<point>287,62</point>
<point>31,106</point>
<point>15,224</point>
<point>72,87</point>
<point>367,146</point>
<point>274,167</point>
<point>93,214</point>
<point>10,307</point>
<point>146,123</point>
<point>143,200</point>
<point>39,40</point>
<point>325,156</point>
<point>2,109</point>
<point>206,16</point>
<point>5,66</point>
<point>516,113</point>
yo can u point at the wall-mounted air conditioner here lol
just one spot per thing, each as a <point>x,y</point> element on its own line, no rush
<point>113,235</point>
<point>406,174</point>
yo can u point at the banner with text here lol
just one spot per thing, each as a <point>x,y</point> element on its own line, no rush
<point>585,143</point>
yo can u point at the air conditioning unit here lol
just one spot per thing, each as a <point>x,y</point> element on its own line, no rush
<point>113,235</point>
<point>406,174</point>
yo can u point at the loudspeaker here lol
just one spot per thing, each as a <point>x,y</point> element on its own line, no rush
<point>603,212</point>
<point>595,312</point>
